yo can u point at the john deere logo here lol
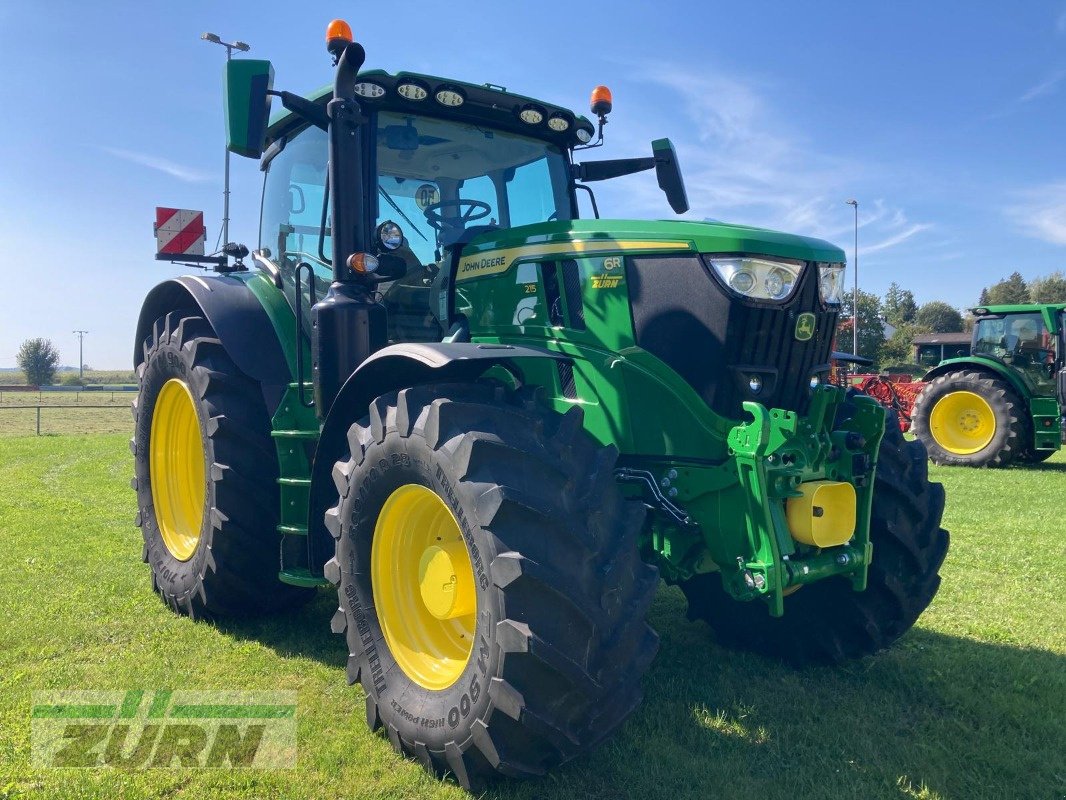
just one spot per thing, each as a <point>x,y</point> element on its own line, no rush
<point>805,326</point>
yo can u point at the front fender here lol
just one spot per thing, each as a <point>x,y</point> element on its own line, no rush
<point>390,369</point>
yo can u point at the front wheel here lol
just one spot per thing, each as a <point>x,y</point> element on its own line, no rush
<point>491,591</point>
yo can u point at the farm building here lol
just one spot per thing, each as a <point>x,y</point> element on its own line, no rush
<point>932,348</point>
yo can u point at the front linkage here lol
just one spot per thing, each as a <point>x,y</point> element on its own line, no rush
<point>791,506</point>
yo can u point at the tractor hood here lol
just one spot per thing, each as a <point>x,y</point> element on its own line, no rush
<point>701,237</point>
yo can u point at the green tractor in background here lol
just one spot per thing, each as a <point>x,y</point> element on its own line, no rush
<point>1004,402</point>
<point>494,426</point>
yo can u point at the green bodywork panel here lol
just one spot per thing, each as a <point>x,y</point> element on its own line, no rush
<point>731,477</point>
<point>295,430</point>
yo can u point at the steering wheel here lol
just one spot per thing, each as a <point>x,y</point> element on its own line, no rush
<point>475,210</point>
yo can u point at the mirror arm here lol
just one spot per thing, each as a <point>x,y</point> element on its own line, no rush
<point>303,108</point>
<point>613,168</point>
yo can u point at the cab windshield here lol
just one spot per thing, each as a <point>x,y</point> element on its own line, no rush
<point>441,180</point>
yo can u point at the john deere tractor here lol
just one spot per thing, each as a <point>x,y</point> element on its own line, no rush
<point>1004,402</point>
<point>493,425</point>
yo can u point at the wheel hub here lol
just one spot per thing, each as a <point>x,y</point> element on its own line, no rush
<point>444,596</point>
<point>423,585</point>
<point>962,423</point>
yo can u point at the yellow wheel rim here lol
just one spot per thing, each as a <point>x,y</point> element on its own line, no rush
<point>176,464</point>
<point>962,423</point>
<point>423,587</point>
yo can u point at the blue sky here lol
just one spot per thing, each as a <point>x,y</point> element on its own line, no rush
<point>945,121</point>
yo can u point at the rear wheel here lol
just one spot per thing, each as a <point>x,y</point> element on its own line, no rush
<point>971,419</point>
<point>827,621</point>
<point>205,476</point>
<point>491,592</point>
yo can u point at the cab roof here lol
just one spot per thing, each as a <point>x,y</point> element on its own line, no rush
<point>488,104</point>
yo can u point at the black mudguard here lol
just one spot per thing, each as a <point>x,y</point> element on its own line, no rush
<point>389,369</point>
<point>238,318</point>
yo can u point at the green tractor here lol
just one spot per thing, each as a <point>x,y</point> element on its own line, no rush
<point>494,426</point>
<point>1004,402</point>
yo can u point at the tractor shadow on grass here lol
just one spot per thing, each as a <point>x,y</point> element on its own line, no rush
<point>1057,466</point>
<point>965,719</point>
<point>301,633</point>
<point>958,717</point>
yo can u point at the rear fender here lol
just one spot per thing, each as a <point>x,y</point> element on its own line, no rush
<point>239,320</point>
<point>980,365</point>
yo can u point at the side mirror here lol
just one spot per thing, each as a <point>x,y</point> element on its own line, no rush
<point>668,174</point>
<point>247,105</point>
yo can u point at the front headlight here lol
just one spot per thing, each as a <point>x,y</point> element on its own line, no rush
<point>757,278</point>
<point>831,283</point>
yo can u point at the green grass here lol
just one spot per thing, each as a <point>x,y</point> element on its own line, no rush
<point>970,704</point>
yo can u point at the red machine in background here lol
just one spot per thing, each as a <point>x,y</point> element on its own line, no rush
<point>891,391</point>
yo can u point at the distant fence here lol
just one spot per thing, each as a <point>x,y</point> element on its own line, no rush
<point>18,394</point>
<point>49,414</point>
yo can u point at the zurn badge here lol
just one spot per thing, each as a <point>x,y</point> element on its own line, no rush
<point>161,729</point>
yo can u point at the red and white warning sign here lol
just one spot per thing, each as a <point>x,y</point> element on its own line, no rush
<point>179,231</point>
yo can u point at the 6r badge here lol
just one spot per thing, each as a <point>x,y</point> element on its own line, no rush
<point>805,324</point>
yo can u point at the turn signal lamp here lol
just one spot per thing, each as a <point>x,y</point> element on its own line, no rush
<point>601,101</point>
<point>363,263</point>
<point>338,31</point>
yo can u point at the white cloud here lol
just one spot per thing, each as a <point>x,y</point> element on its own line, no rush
<point>1045,87</point>
<point>745,163</point>
<point>1040,212</point>
<point>1060,22</point>
<point>896,238</point>
<point>182,173</point>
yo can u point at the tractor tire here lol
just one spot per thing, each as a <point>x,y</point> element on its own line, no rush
<point>971,419</point>
<point>205,473</point>
<point>530,650</point>
<point>827,621</point>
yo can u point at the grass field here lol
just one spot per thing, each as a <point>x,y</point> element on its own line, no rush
<point>970,704</point>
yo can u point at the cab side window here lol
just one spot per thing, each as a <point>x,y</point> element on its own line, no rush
<point>291,218</point>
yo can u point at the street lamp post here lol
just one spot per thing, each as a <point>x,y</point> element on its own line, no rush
<point>855,296</point>
<point>81,354</point>
<point>214,38</point>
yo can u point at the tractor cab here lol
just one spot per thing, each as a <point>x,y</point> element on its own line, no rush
<point>439,181</point>
<point>1024,341</point>
<point>443,163</point>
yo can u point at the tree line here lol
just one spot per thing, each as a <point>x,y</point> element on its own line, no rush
<point>899,309</point>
